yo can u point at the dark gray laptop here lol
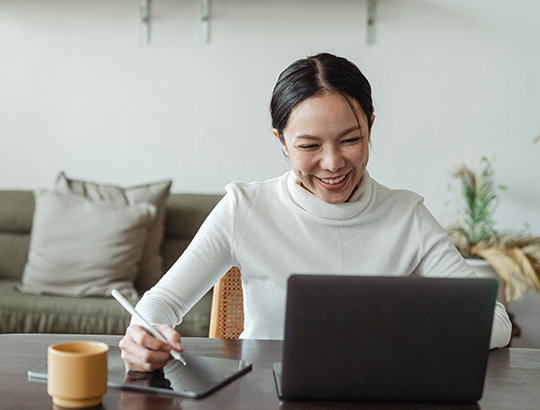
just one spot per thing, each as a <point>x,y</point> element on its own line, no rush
<point>386,338</point>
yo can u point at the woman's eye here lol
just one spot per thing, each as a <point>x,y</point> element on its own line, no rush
<point>352,140</point>
<point>308,147</point>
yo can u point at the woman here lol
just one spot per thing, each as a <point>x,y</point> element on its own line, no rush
<point>327,215</point>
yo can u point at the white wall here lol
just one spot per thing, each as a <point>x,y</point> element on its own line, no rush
<point>452,80</point>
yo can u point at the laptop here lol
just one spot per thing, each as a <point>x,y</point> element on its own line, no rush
<point>368,338</point>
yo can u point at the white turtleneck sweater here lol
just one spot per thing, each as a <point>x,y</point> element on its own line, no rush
<point>274,228</point>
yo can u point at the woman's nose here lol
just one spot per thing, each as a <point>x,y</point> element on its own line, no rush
<point>332,160</point>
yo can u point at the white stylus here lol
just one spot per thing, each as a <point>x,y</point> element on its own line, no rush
<point>123,301</point>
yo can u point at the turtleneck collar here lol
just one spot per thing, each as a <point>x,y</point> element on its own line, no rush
<point>316,207</point>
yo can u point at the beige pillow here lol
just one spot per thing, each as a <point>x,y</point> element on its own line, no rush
<point>151,264</point>
<point>80,247</point>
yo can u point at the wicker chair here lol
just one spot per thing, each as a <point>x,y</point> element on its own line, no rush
<point>227,316</point>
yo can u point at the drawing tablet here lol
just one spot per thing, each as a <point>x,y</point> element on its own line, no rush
<point>202,375</point>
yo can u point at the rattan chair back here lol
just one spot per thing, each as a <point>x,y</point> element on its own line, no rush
<point>227,317</point>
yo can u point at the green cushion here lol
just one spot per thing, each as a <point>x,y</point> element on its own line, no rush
<point>16,211</point>
<point>13,254</point>
<point>26,313</point>
<point>186,213</point>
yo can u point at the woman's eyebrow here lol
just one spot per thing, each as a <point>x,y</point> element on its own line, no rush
<point>307,137</point>
<point>349,130</point>
<point>341,134</point>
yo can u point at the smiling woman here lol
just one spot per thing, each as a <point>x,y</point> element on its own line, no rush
<point>322,113</point>
<point>326,216</point>
<point>326,140</point>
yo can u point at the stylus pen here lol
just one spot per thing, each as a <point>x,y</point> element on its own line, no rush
<point>123,301</point>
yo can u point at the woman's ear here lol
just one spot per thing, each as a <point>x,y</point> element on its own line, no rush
<point>283,146</point>
<point>370,128</point>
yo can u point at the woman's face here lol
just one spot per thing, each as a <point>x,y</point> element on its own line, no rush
<point>327,144</point>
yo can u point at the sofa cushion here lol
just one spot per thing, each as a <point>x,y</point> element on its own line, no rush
<point>13,254</point>
<point>27,313</point>
<point>16,211</point>
<point>80,247</point>
<point>151,264</point>
<point>187,212</point>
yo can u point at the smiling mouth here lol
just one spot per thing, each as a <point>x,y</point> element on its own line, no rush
<point>334,181</point>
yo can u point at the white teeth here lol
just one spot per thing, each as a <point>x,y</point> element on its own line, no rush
<point>334,181</point>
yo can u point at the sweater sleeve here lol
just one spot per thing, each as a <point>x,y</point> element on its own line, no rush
<point>207,258</point>
<point>441,258</point>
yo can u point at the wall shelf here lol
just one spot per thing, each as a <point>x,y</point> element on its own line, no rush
<point>144,22</point>
<point>370,23</point>
<point>204,23</point>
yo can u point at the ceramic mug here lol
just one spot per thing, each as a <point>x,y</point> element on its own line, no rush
<point>77,373</point>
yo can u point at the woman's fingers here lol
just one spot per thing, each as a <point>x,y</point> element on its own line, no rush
<point>143,352</point>
<point>171,336</point>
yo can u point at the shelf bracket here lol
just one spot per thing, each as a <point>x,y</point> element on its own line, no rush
<point>205,21</point>
<point>144,22</point>
<point>370,26</point>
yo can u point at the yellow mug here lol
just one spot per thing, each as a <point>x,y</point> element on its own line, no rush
<point>77,373</point>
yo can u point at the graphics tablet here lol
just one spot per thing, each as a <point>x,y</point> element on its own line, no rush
<point>202,375</point>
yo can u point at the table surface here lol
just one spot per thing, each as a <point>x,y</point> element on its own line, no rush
<point>512,381</point>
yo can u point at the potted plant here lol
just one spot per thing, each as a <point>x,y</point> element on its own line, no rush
<point>515,257</point>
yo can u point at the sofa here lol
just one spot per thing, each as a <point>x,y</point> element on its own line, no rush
<point>44,313</point>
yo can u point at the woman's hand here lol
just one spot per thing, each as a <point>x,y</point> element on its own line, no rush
<point>142,352</point>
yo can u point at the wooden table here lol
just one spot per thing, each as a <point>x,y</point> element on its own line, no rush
<point>513,379</point>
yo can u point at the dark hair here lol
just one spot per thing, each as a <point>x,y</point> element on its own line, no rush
<point>316,75</point>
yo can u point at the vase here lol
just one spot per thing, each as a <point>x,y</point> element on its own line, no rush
<point>484,270</point>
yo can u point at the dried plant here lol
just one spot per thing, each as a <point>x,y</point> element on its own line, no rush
<point>514,256</point>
